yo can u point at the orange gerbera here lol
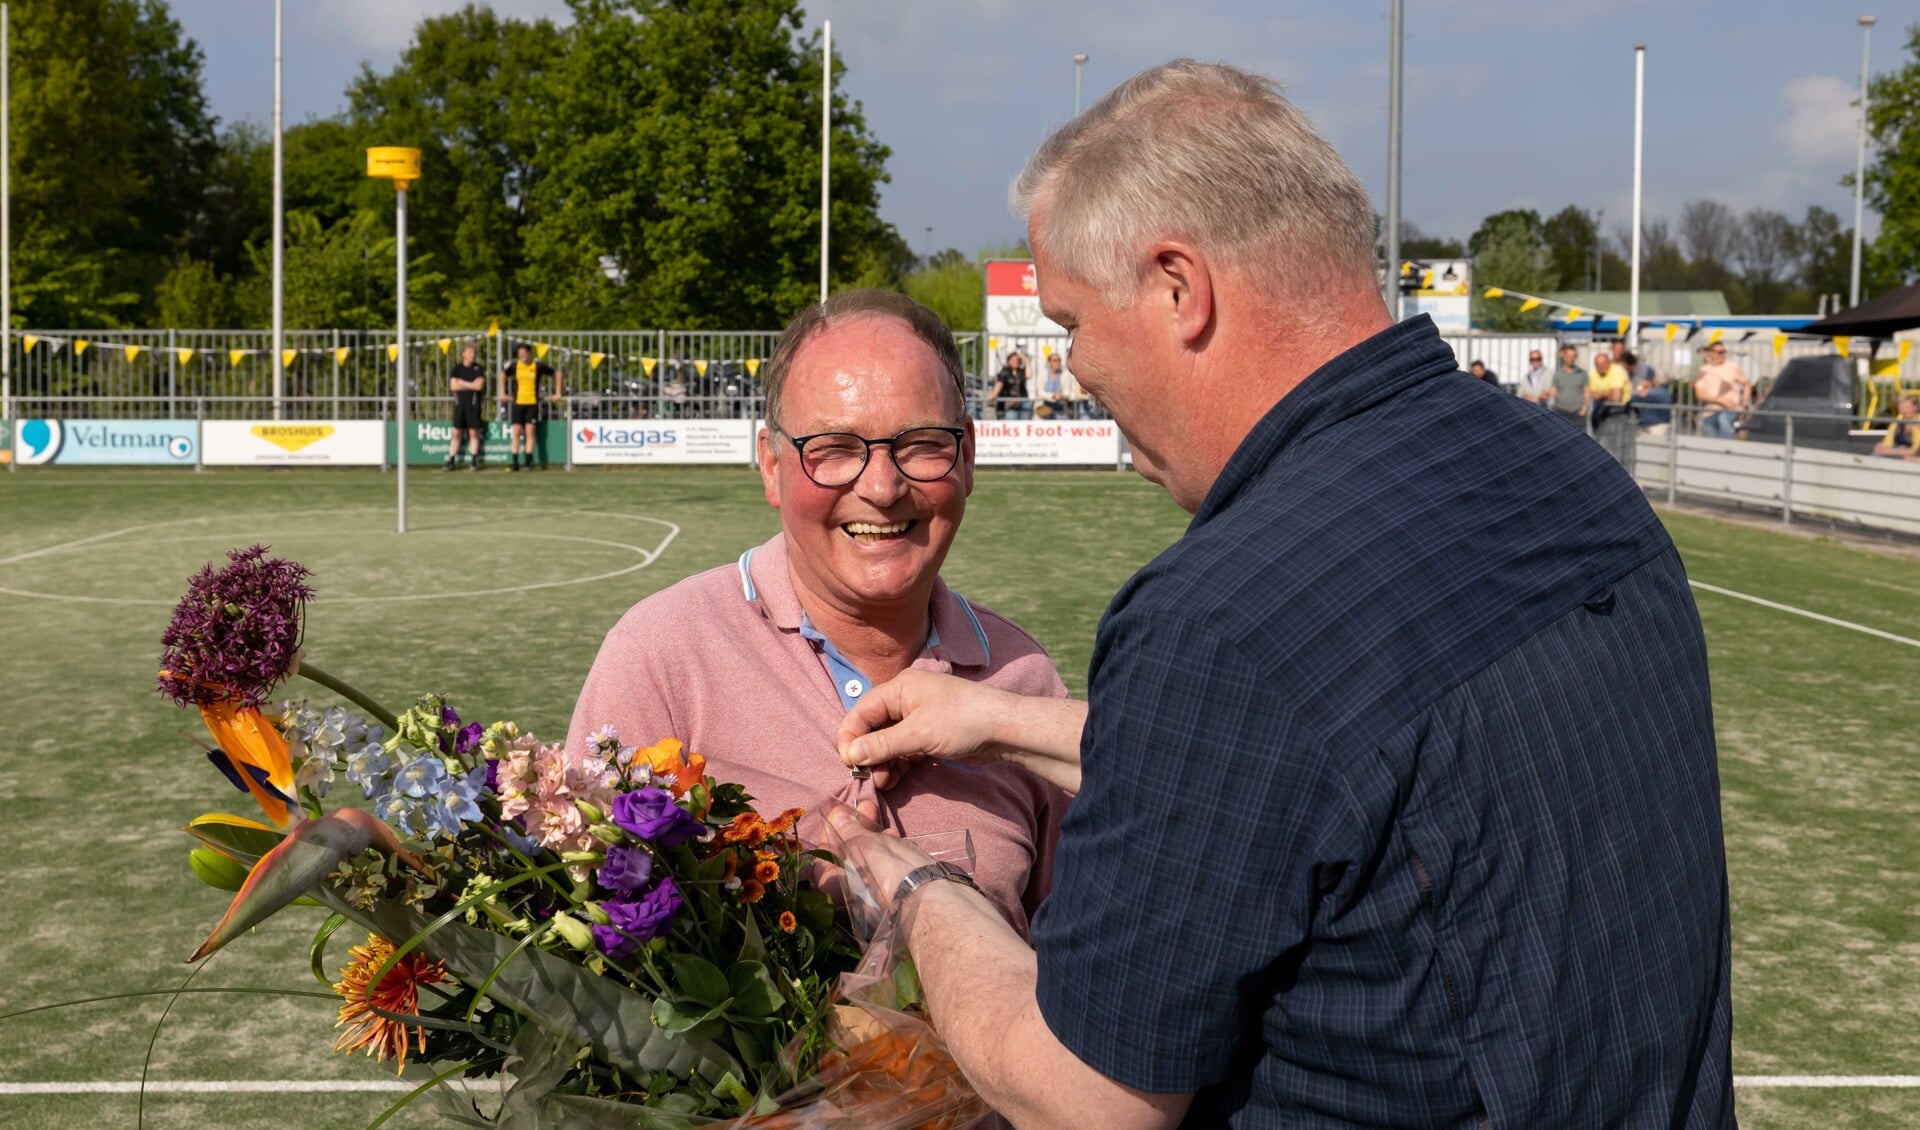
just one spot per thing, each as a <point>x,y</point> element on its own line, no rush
<point>398,992</point>
<point>788,922</point>
<point>785,821</point>
<point>667,758</point>
<point>752,890</point>
<point>766,872</point>
<point>747,828</point>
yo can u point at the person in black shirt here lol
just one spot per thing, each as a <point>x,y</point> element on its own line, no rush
<point>1010,389</point>
<point>1480,372</point>
<point>467,382</point>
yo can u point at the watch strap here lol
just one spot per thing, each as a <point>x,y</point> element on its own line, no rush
<point>930,873</point>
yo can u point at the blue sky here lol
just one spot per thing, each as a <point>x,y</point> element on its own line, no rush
<point>1510,103</point>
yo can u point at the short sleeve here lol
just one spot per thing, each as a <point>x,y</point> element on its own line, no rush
<point>1187,864</point>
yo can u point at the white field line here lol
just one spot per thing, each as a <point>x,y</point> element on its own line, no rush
<point>351,1086</point>
<point>1809,615</point>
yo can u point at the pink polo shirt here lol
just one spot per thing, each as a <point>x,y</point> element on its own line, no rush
<point>719,662</point>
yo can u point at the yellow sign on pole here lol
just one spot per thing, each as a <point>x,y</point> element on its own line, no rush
<point>395,163</point>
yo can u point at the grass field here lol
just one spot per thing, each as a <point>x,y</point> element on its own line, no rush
<point>500,596</point>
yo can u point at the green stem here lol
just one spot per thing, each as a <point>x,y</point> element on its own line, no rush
<point>351,693</point>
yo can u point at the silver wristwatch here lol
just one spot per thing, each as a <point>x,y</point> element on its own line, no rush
<point>929,873</point>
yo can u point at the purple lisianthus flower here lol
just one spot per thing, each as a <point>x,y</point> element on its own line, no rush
<point>235,633</point>
<point>651,815</point>
<point>468,740</point>
<point>493,775</point>
<point>626,868</point>
<point>642,920</point>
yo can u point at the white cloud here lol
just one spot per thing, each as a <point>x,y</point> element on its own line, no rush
<point>1822,124</point>
<point>387,25</point>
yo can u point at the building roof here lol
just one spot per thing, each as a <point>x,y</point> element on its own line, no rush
<point>1653,303</point>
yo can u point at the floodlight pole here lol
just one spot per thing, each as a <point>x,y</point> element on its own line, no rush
<point>1639,122</point>
<point>1079,62</point>
<point>402,167</point>
<point>1393,158</point>
<point>279,237</point>
<point>826,148</point>
<point>1860,163</point>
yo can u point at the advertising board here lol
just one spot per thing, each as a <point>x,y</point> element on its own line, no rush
<point>1063,443</point>
<point>664,441</point>
<point>292,443</point>
<point>428,440</point>
<point>166,443</point>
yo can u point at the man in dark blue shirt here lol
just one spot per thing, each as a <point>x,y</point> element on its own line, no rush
<point>1365,833</point>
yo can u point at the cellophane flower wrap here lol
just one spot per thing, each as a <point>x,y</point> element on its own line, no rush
<point>599,935</point>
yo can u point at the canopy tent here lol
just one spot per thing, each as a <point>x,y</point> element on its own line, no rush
<point>1884,316</point>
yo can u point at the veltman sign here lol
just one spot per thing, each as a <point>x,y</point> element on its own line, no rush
<point>1068,443</point>
<point>294,443</point>
<point>152,442</point>
<point>663,441</point>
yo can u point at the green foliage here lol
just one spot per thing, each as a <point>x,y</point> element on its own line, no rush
<point>1893,177</point>
<point>953,287</point>
<point>1526,218</point>
<point>340,276</point>
<point>1510,253</point>
<point>194,293</point>
<point>1571,235</point>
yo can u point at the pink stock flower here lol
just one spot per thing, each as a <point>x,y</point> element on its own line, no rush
<point>540,785</point>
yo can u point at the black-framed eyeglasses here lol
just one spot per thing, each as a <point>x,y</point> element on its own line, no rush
<point>835,459</point>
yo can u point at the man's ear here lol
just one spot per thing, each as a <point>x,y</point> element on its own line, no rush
<point>1180,283</point>
<point>769,472</point>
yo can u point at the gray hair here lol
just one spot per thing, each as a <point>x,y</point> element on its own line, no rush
<point>1206,153</point>
<point>925,324</point>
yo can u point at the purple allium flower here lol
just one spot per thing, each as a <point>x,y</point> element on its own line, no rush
<point>235,632</point>
<point>635,922</point>
<point>626,869</point>
<point>469,740</point>
<point>651,815</point>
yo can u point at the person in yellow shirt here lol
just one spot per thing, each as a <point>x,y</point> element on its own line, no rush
<point>1609,388</point>
<point>1608,383</point>
<point>1902,440</point>
<point>520,386</point>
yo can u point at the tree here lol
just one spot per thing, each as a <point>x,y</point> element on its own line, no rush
<point>952,286</point>
<point>1710,234</point>
<point>1571,235</point>
<point>1766,253</point>
<point>1416,244</point>
<point>112,145</point>
<point>340,275</point>
<point>683,187</point>
<point>1824,251</point>
<point>1893,175</point>
<point>1511,253</point>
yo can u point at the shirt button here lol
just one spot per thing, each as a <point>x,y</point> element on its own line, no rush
<point>855,689</point>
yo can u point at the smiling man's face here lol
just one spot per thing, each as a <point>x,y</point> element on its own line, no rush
<point>880,540</point>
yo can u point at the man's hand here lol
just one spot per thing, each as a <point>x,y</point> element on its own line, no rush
<point>880,860</point>
<point>920,715</point>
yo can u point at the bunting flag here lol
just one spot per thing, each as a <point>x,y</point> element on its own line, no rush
<point>80,346</point>
<point>1426,280</point>
<point>1530,304</point>
<point>1906,347</point>
<point>1779,343</point>
<point>493,328</point>
<point>993,343</point>
<point>287,356</point>
<point>445,344</point>
<point>647,364</point>
<point>185,356</point>
<point>393,354</point>
<point>1844,344</point>
<point>234,355</point>
<point>1493,292</point>
<point>1885,367</point>
<point>27,342</point>
<point>753,363</point>
<point>1046,351</point>
<point>1620,325</point>
<point>1715,336</point>
<point>132,351</point>
<point>1672,329</point>
<point>341,354</point>
<point>700,367</point>
<point>594,359</point>
<point>1573,313</point>
<point>540,350</point>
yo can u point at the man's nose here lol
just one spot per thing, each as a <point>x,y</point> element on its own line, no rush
<point>880,481</point>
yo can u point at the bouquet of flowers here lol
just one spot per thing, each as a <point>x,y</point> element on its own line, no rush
<point>614,937</point>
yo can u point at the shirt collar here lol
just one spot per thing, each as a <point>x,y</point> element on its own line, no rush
<point>1380,367</point>
<point>764,580</point>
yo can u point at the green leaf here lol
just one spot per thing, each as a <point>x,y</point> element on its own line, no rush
<point>906,983</point>
<point>731,1088</point>
<point>217,869</point>
<point>670,1018</point>
<point>754,993</point>
<point>699,978</point>
<point>754,948</point>
<point>318,953</point>
<point>243,839</point>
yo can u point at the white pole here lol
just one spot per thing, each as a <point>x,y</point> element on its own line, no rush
<point>1393,159</point>
<point>6,228</point>
<point>1079,61</point>
<point>279,237</point>
<point>400,371</point>
<point>1639,122</point>
<point>826,148</point>
<point>1860,164</point>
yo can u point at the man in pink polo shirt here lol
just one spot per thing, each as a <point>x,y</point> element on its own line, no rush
<point>868,456</point>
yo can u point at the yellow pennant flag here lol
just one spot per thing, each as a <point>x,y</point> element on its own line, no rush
<point>1844,345</point>
<point>1906,347</point>
<point>287,356</point>
<point>393,354</point>
<point>1673,329</point>
<point>493,328</point>
<point>594,359</point>
<point>234,355</point>
<point>80,346</point>
<point>1716,335</point>
<point>184,355</point>
<point>1426,280</point>
<point>1779,343</point>
<point>647,364</point>
<point>445,344</point>
<point>1573,314</point>
<point>340,355</point>
<point>27,342</point>
<point>1885,367</point>
<point>753,363</point>
<point>1493,292</point>
<point>1529,304</point>
<point>700,367</point>
<point>1046,351</point>
<point>1620,325</point>
<point>132,351</point>
<point>540,350</point>
<point>993,343</point>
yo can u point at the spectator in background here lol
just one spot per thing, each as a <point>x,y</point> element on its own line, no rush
<point>1608,392</point>
<point>1009,394</point>
<point>1053,392</point>
<point>1482,373</point>
<point>1902,440</point>
<point>1652,400</point>
<point>1723,391</point>
<point>1569,397</point>
<point>520,386</point>
<point>1537,385</point>
<point>466,382</point>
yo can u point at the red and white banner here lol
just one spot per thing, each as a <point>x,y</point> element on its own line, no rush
<point>1058,443</point>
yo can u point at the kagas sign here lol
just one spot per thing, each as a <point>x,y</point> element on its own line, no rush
<point>663,441</point>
